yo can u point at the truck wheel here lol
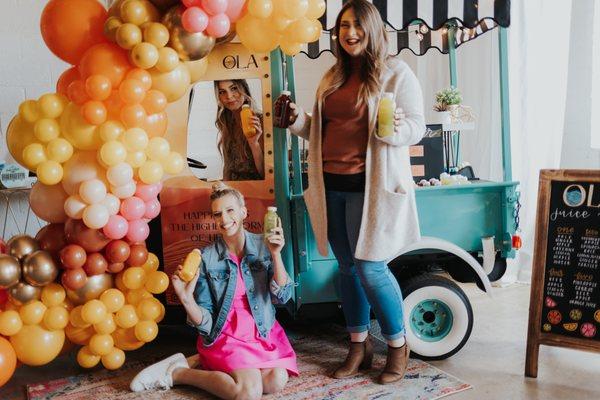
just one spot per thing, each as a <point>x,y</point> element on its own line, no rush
<point>437,316</point>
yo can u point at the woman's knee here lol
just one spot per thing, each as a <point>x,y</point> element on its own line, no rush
<point>248,391</point>
<point>275,380</point>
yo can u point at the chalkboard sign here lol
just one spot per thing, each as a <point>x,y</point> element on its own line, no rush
<point>564,307</point>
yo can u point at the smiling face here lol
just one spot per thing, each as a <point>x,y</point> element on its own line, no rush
<point>351,34</point>
<point>230,95</point>
<point>229,215</point>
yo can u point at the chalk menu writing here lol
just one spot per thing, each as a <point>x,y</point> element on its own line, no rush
<point>571,294</point>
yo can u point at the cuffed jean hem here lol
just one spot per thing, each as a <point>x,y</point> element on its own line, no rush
<point>358,329</point>
<point>394,336</point>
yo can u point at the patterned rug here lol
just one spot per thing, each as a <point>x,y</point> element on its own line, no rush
<point>316,355</point>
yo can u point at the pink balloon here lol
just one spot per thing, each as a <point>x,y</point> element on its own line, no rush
<point>159,187</point>
<point>194,20</point>
<point>214,7</point>
<point>147,192</point>
<point>116,228</point>
<point>218,26</point>
<point>133,208</point>
<point>191,3</point>
<point>152,209</point>
<point>235,10</point>
<point>138,231</point>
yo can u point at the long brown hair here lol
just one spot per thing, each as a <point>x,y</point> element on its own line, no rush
<point>375,53</point>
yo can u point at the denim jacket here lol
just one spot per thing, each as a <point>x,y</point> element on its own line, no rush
<point>217,281</point>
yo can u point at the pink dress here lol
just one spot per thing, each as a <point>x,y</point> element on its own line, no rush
<point>240,345</point>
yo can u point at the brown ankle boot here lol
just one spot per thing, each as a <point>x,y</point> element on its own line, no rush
<point>360,356</point>
<point>395,365</point>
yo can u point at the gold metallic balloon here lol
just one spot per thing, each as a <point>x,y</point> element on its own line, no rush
<point>189,46</point>
<point>39,268</point>
<point>21,245</point>
<point>94,287</point>
<point>10,271</point>
<point>22,293</point>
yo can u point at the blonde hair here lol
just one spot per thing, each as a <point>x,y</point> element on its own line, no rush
<point>219,189</point>
<point>375,53</point>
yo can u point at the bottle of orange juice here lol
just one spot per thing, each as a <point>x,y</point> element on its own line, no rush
<point>247,128</point>
<point>385,115</point>
<point>191,265</point>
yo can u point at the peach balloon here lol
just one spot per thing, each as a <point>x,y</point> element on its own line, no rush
<point>47,202</point>
<point>82,167</point>
<point>65,79</point>
<point>105,59</point>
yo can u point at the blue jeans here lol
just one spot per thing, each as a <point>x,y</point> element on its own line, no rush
<point>364,284</point>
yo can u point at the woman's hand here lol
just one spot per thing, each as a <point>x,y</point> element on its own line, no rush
<point>276,241</point>
<point>255,140</point>
<point>295,112</point>
<point>398,117</point>
<point>184,290</point>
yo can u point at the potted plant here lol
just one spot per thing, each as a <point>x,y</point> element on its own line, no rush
<point>447,100</point>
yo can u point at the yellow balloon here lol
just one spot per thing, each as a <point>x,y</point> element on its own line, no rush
<point>137,295</point>
<point>46,129</point>
<point>162,314</point>
<point>53,294</point>
<point>128,35</point>
<point>289,47</point>
<point>10,323</point>
<point>174,163</point>
<point>56,318</point>
<point>36,346</point>
<point>294,8</point>
<point>302,31</point>
<point>151,263</point>
<point>77,131</point>
<point>114,360</point>
<point>134,277</point>
<point>158,149</point>
<point>79,336</point>
<point>59,150</point>
<point>173,84</point>
<point>146,331</point>
<point>49,172</point>
<point>32,313</point>
<point>136,158</point>
<point>125,339</point>
<point>151,172</point>
<point>29,111</point>
<point>52,105</point>
<point>157,282</point>
<point>106,326</point>
<point>87,359</point>
<point>168,60</point>
<point>144,55</point>
<point>135,139</point>
<point>110,130</point>
<point>257,34</point>
<point>197,68</point>
<point>113,299</point>
<point>260,8</point>
<point>93,311</point>
<point>112,153</point>
<point>156,34</point>
<point>119,282</point>
<point>101,344</point>
<point>76,319</point>
<point>33,155</point>
<point>126,317</point>
<point>19,135</point>
<point>316,8</point>
<point>149,309</point>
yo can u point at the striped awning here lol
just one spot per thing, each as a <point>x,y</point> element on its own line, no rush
<point>419,25</point>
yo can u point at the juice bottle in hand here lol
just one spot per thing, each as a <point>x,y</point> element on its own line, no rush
<point>191,265</point>
<point>385,115</point>
<point>247,127</point>
<point>271,221</point>
<point>281,110</point>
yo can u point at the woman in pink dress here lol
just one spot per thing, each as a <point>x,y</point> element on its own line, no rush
<point>243,352</point>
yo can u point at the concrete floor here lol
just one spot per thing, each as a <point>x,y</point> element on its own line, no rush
<point>492,360</point>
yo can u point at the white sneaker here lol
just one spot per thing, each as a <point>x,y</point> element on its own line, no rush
<point>159,375</point>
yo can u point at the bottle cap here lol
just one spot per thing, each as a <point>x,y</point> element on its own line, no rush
<point>245,106</point>
<point>197,251</point>
<point>272,209</point>
<point>286,92</point>
<point>388,95</point>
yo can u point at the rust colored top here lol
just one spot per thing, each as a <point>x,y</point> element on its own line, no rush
<point>345,129</point>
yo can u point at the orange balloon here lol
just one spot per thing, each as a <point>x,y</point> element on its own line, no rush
<point>70,27</point>
<point>98,87</point>
<point>94,112</point>
<point>133,115</point>
<point>8,361</point>
<point>156,124</point>
<point>65,79</point>
<point>105,59</point>
<point>76,92</point>
<point>125,339</point>
<point>79,336</point>
<point>141,75</point>
<point>113,105</point>
<point>155,101</point>
<point>132,91</point>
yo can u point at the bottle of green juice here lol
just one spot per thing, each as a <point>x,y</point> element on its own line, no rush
<point>385,115</point>
<point>271,221</point>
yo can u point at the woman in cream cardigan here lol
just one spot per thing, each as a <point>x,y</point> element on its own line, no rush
<point>360,196</point>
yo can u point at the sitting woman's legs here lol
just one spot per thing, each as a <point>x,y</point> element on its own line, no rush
<point>274,379</point>
<point>242,384</point>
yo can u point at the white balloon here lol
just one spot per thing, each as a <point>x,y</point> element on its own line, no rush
<point>124,191</point>
<point>95,216</point>
<point>74,206</point>
<point>92,191</point>
<point>120,174</point>
<point>112,203</point>
<point>83,166</point>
